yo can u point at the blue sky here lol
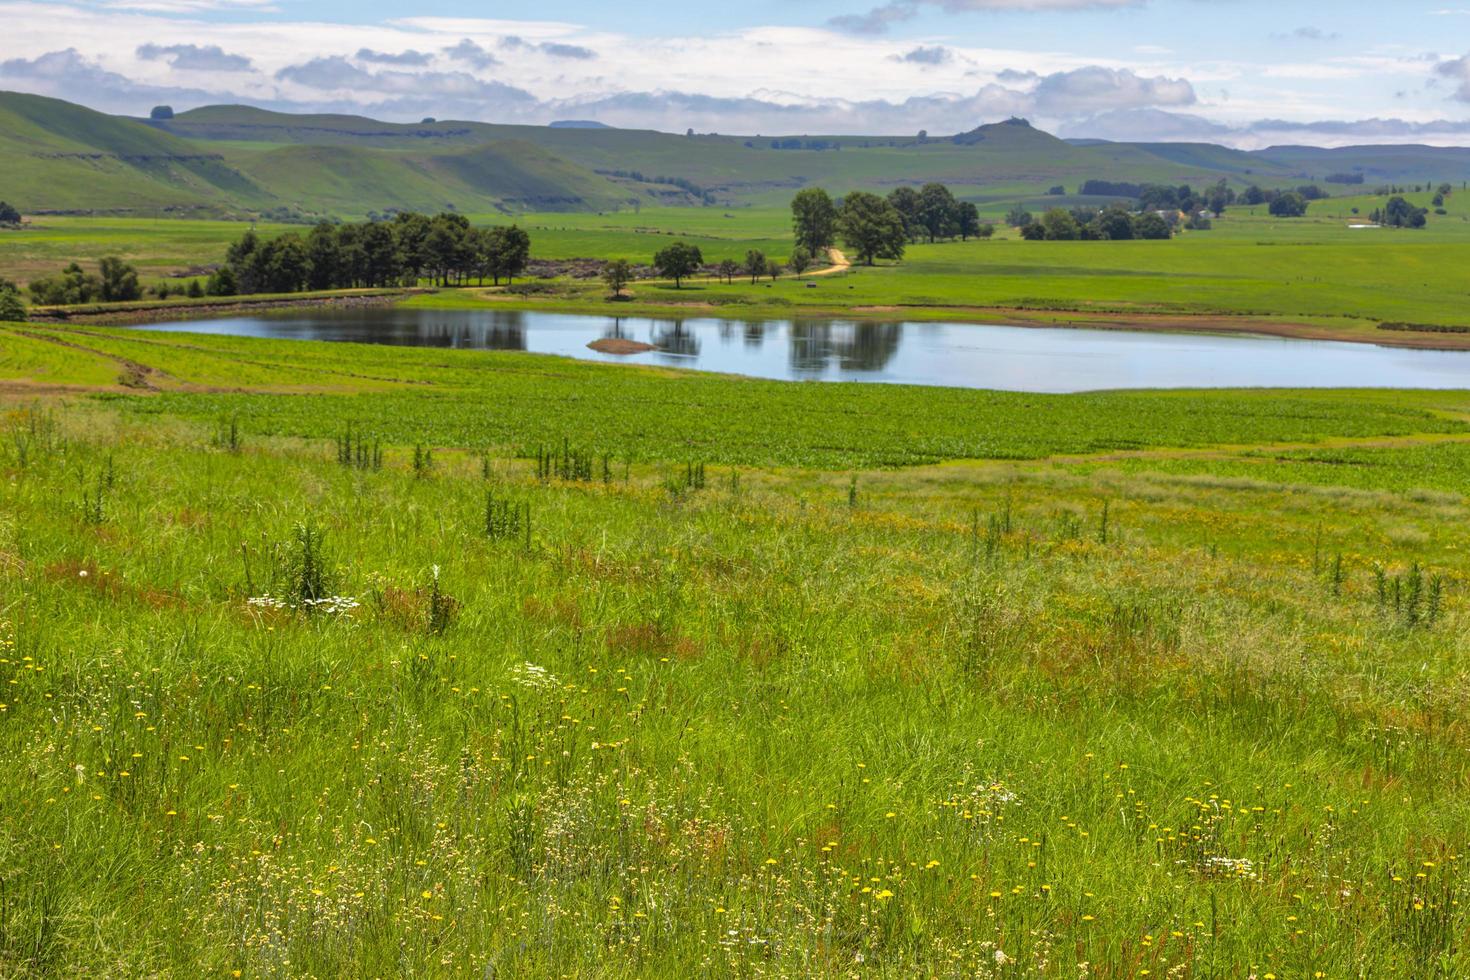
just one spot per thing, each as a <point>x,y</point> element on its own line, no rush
<point>1246,72</point>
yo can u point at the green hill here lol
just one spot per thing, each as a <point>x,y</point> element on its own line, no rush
<point>60,156</point>
<point>240,159</point>
<point>1406,162</point>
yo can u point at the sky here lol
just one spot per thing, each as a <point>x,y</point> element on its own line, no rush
<point>1247,73</point>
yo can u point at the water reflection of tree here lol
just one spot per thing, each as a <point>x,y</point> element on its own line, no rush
<point>672,337</point>
<point>755,333</point>
<point>616,330</point>
<point>500,330</point>
<point>854,346</point>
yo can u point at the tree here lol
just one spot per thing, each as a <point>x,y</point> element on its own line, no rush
<point>800,260</point>
<point>323,257</point>
<point>411,231</point>
<point>1115,224</point>
<point>728,268</point>
<point>508,252</point>
<point>222,282</point>
<point>119,281</point>
<point>986,230</point>
<point>12,307</point>
<point>1060,226</point>
<point>9,215</point>
<point>195,290</point>
<point>813,219</point>
<point>906,203</point>
<point>1018,217</point>
<point>1253,195</point>
<point>1399,213</point>
<point>617,274</point>
<point>73,285</point>
<point>1057,191</point>
<point>1219,197</point>
<point>871,227</point>
<point>679,261</point>
<point>967,220</point>
<point>937,210</point>
<point>755,264</point>
<point>1289,205</point>
<point>773,269</point>
<point>1033,232</point>
<point>161,112</point>
<point>1153,226</point>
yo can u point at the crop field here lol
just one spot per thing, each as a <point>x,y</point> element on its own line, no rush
<point>508,665</point>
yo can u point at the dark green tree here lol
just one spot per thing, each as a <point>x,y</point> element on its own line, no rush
<point>938,211</point>
<point>1153,226</point>
<point>871,227</point>
<point>1060,226</point>
<point>755,264</point>
<point>800,260</point>
<point>678,262</point>
<point>813,219</point>
<point>9,214</point>
<point>617,274</point>
<point>967,218</point>
<point>1289,205</point>
<point>906,202</point>
<point>12,307</point>
<point>119,281</point>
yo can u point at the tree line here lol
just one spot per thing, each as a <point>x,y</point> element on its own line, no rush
<point>115,281</point>
<point>446,249</point>
<point>875,227</point>
<point>1111,224</point>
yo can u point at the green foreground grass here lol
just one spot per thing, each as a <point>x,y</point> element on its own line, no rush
<point>1107,716</point>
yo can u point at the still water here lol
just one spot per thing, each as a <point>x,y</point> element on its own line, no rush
<point>1037,359</point>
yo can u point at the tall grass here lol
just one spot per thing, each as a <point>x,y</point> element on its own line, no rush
<point>955,731</point>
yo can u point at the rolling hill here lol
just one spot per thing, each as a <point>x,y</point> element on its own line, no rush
<point>238,160</point>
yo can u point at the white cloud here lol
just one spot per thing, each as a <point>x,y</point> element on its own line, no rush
<point>879,19</point>
<point>1457,70</point>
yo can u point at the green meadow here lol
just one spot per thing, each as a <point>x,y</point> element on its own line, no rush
<point>328,660</point>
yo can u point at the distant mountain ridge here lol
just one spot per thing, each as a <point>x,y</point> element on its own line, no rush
<point>242,160</point>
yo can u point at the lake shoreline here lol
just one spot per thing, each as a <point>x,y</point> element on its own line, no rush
<point>1360,332</point>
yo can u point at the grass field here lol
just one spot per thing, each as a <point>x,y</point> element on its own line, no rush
<point>1108,686</point>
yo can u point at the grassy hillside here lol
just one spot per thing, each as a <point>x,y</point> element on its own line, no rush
<point>233,158</point>
<point>351,180</point>
<point>1402,164</point>
<point>1147,711</point>
<point>60,156</point>
<point>748,168</point>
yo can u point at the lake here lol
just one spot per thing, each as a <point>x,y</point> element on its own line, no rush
<point>1041,359</point>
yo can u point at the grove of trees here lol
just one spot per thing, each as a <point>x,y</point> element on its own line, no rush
<point>1399,213</point>
<point>1111,224</point>
<point>446,249</point>
<point>114,282</point>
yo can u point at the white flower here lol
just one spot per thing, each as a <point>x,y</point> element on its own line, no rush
<point>532,676</point>
<point>1001,959</point>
